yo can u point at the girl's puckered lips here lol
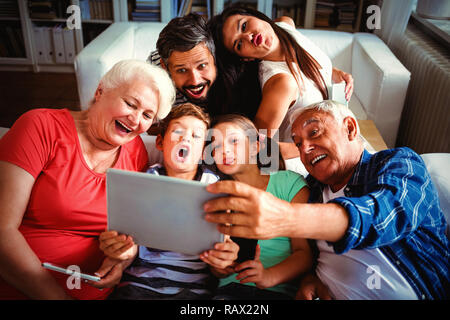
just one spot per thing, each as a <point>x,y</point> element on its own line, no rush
<point>257,40</point>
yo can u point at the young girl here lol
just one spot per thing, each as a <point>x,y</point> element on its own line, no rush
<point>293,71</point>
<point>237,150</point>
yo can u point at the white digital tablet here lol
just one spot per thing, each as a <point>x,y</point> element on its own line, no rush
<point>160,212</point>
<point>338,93</point>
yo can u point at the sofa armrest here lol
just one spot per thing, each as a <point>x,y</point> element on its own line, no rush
<point>114,44</point>
<point>380,83</point>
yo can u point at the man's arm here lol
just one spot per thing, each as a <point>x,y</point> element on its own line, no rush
<point>393,207</point>
<point>397,201</point>
<point>259,215</point>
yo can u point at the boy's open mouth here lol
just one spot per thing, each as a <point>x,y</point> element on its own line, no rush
<point>182,153</point>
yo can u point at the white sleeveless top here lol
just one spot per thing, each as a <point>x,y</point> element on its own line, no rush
<point>311,93</point>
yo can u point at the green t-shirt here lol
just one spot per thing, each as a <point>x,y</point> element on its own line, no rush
<point>283,185</point>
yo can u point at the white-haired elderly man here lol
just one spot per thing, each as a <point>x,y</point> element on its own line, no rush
<point>376,219</point>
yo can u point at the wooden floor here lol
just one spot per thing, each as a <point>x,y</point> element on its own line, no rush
<point>23,91</point>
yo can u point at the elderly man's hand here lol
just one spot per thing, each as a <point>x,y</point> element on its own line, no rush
<point>256,214</point>
<point>312,288</point>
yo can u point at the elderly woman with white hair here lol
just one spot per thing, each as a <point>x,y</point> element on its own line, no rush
<point>53,181</point>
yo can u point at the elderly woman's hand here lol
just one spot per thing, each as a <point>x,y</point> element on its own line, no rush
<point>117,246</point>
<point>110,273</point>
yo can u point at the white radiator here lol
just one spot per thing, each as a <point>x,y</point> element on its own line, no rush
<point>425,124</point>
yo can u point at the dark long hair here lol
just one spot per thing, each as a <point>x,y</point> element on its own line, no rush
<point>231,66</point>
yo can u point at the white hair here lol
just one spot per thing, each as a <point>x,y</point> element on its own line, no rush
<point>127,70</point>
<point>337,110</point>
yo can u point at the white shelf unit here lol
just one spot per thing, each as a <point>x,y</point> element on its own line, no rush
<point>30,61</point>
<point>217,7</point>
<point>12,63</point>
<point>166,7</point>
<point>120,13</point>
<point>266,7</point>
<point>261,5</point>
<point>310,12</point>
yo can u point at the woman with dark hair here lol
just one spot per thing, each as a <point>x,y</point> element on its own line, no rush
<point>293,71</point>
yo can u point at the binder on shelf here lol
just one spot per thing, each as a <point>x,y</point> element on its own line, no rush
<point>69,45</point>
<point>41,52</point>
<point>48,44</point>
<point>58,44</point>
<point>92,9</point>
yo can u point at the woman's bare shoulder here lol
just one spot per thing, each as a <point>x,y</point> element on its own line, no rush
<point>285,19</point>
<point>284,82</point>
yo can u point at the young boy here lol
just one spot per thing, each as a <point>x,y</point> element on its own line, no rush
<point>158,274</point>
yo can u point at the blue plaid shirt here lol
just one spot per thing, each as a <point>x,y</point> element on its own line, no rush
<point>392,205</point>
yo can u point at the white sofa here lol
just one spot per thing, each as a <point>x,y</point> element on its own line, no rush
<point>380,79</point>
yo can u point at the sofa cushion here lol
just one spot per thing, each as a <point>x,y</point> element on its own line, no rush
<point>357,108</point>
<point>145,38</point>
<point>337,45</point>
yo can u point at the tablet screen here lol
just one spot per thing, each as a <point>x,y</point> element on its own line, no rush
<point>160,212</point>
